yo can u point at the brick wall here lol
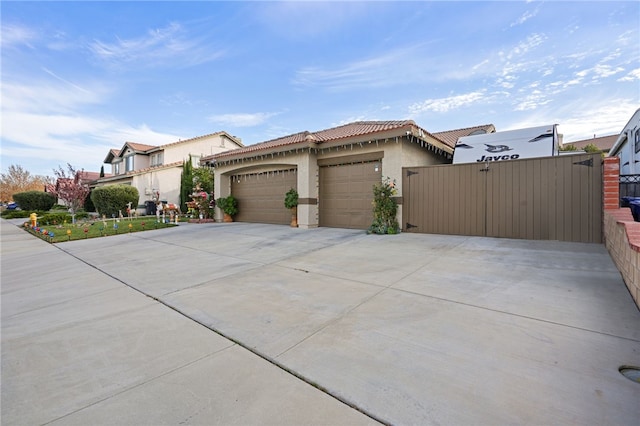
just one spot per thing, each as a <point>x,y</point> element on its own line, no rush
<point>621,232</point>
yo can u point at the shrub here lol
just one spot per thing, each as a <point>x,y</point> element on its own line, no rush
<point>50,219</point>
<point>384,208</point>
<point>111,199</point>
<point>15,214</point>
<point>229,205</point>
<point>34,200</point>
<point>291,199</point>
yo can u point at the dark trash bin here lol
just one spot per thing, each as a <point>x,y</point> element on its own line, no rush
<point>635,209</point>
<point>626,201</point>
<point>150,208</point>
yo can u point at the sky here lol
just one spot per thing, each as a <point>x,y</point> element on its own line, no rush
<point>81,78</point>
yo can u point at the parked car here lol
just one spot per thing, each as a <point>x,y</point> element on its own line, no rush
<point>13,206</point>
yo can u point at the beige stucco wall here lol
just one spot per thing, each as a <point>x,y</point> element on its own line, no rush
<point>299,161</point>
<point>396,155</point>
<point>200,147</point>
<point>166,181</point>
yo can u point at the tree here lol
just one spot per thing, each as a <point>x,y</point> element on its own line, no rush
<point>186,184</point>
<point>203,176</point>
<point>102,171</point>
<point>70,189</point>
<point>19,180</point>
<point>591,148</point>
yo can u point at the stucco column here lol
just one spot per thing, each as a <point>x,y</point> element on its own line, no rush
<point>222,188</point>
<point>308,191</point>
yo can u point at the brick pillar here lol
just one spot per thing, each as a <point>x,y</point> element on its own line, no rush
<point>611,184</point>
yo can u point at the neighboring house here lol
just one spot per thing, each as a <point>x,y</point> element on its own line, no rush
<point>158,169</point>
<point>627,146</point>
<point>87,178</point>
<point>603,143</point>
<point>333,170</point>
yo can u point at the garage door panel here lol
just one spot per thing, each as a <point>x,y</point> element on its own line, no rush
<point>261,196</point>
<point>346,195</point>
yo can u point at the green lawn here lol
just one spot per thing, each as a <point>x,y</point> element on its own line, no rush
<point>94,229</point>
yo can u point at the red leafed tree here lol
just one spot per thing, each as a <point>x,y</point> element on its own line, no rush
<point>70,189</point>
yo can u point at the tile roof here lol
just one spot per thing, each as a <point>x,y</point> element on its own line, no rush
<point>355,129</point>
<point>450,137</point>
<point>604,143</point>
<point>110,177</point>
<point>88,176</point>
<point>359,128</point>
<point>140,146</point>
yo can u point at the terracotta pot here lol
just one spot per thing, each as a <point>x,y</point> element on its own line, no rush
<point>294,217</point>
<point>227,218</point>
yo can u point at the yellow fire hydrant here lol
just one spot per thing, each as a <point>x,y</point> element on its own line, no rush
<point>34,218</point>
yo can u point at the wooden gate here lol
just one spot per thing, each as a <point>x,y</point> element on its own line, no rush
<point>553,198</point>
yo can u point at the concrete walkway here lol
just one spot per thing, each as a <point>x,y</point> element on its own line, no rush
<point>264,324</point>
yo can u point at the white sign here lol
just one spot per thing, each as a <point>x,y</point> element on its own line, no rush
<point>533,142</point>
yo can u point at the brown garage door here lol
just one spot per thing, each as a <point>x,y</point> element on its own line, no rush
<point>261,196</point>
<point>346,194</point>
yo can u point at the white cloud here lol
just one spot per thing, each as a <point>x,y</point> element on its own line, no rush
<point>533,100</point>
<point>242,119</point>
<point>14,35</point>
<point>583,117</point>
<point>524,18</point>
<point>44,120</point>
<point>376,71</point>
<point>447,104</point>
<point>169,46</point>
<point>631,76</point>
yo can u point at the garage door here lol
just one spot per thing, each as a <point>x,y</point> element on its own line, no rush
<point>346,194</point>
<point>261,196</point>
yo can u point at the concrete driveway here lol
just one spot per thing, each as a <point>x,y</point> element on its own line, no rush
<point>264,324</point>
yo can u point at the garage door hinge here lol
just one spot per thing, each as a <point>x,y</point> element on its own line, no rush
<point>588,163</point>
<point>409,226</point>
<point>409,173</point>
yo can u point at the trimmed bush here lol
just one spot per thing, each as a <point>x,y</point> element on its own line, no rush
<point>34,200</point>
<point>16,214</point>
<point>50,219</point>
<point>59,218</point>
<point>111,199</point>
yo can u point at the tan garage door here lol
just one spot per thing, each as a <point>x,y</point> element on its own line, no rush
<point>346,194</point>
<point>261,196</point>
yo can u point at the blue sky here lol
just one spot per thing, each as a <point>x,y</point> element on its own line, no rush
<point>80,78</point>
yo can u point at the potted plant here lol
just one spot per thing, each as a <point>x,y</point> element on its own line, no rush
<point>229,206</point>
<point>291,202</point>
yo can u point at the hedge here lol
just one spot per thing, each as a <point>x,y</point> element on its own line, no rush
<point>34,200</point>
<point>111,199</point>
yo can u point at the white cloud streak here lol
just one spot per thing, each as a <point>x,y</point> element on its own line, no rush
<point>242,119</point>
<point>14,35</point>
<point>169,46</point>
<point>447,104</point>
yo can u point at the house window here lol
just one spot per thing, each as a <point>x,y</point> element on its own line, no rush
<point>637,140</point>
<point>116,168</point>
<point>128,167</point>
<point>156,159</point>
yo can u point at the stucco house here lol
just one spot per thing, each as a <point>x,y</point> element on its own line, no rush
<point>627,146</point>
<point>333,170</point>
<point>158,169</point>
